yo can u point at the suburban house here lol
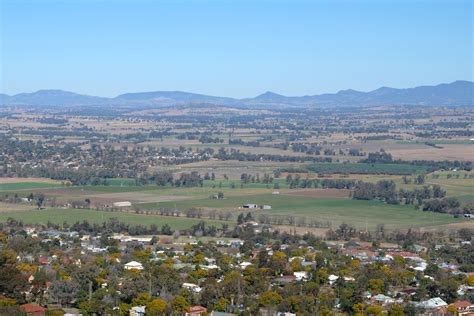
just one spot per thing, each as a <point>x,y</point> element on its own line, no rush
<point>196,311</point>
<point>34,310</point>
<point>133,265</point>
<point>137,311</point>
<point>464,307</point>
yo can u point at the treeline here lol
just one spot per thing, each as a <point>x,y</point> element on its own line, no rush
<point>428,198</point>
<point>234,154</point>
<point>297,181</point>
<point>164,178</point>
<point>382,157</point>
<point>240,142</point>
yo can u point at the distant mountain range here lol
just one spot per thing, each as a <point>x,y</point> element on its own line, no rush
<point>458,93</point>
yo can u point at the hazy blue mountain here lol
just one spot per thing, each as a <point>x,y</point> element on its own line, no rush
<point>458,93</point>
<point>54,98</point>
<point>173,97</point>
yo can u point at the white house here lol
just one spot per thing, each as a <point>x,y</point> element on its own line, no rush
<point>192,287</point>
<point>301,275</point>
<point>137,311</point>
<point>244,265</point>
<point>333,278</point>
<point>435,302</point>
<point>133,265</point>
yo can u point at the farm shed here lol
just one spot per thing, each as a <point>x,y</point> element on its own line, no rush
<point>122,204</point>
<point>250,206</point>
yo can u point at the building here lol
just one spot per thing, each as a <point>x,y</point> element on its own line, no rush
<point>122,204</point>
<point>133,265</point>
<point>301,275</point>
<point>34,310</point>
<point>464,308</point>
<point>432,303</point>
<point>192,287</point>
<point>196,311</point>
<point>137,311</point>
<point>250,206</point>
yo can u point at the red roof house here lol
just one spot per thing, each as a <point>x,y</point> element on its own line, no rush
<point>196,311</point>
<point>34,310</point>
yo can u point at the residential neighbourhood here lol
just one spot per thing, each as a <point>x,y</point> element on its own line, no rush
<point>84,271</point>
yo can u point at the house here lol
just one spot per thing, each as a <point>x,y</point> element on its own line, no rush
<point>133,265</point>
<point>381,299</point>
<point>192,287</point>
<point>34,310</point>
<point>137,311</point>
<point>266,207</point>
<point>332,278</point>
<point>196,311</point>
<point>244,265</point>
<point>72,312</point>
<point>44,260</point>
<point>301,275</point>
<point>464,307</point>
<point>432,303</point>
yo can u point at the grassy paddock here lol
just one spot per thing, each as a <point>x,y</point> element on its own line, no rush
<point>59,216</point>
<point>361,214</point>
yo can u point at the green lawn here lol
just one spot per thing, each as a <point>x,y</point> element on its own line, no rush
<point>59,216</point>
<point>26,186</point>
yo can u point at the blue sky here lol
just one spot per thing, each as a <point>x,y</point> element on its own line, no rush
<point>232,48</point>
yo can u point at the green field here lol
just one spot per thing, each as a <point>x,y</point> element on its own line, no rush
<point>26,186</point>
<point>70,216</point>
<point>361,214</point>
<point>366,168</point>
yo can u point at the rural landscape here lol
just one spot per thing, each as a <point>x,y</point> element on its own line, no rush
<point>236,201</point>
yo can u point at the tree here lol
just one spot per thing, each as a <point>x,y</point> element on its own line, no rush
<point>374,310</point>
<point>156,307</point>
<point>396,310</point>
<point>221,305</point>
<point>180,304</point>
<point>63,292</point>
<point>270,298</point>
<point>141,300</point>
<point>376,286</point>
<point>12,282</point>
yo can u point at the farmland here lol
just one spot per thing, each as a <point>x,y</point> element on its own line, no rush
<point>324,205</point>
<point>303,163</point>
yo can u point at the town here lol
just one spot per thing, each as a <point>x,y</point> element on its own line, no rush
<point>85,269</point>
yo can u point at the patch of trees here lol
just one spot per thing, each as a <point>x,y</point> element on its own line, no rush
<point>297,181</point>
<point>382,157</point>
<point>206,139</point>
<point>240,142</point>
<point>444,205</point>
<point>234,154</point>
<point>378,157</point>
<point>428,198</point>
